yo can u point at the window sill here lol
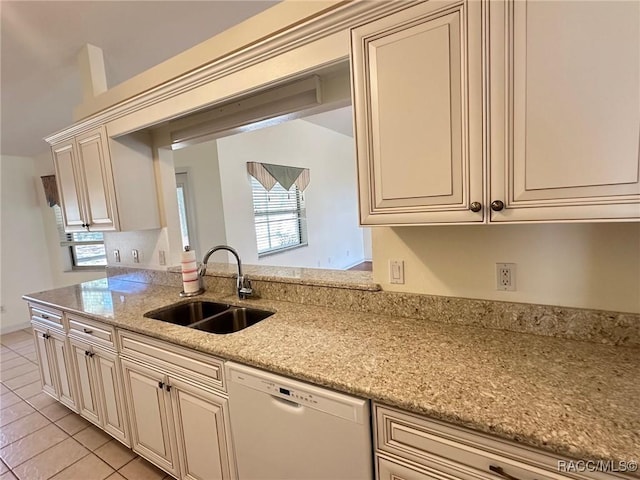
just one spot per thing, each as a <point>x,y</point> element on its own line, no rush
<point>281,250</point>
<point>87,269</point>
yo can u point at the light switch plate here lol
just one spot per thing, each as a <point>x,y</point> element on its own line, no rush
<point>116,255</point>
<point>396,271</point>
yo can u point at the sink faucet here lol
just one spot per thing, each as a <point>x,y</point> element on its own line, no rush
<point>243,285</point>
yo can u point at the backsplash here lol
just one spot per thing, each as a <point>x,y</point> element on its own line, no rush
<point>596,326</point>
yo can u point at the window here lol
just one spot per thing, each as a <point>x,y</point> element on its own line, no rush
<point>185,212</point>
<point>86,248</point>
<point>279,218</point>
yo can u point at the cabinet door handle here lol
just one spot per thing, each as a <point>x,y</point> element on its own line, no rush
<point>475,206</point>
<point>160,385</point>
<point>497,205</point>
<point>501,472</point>
<point>87,353</point>
<point>86,330</point>
<point>167,388</point>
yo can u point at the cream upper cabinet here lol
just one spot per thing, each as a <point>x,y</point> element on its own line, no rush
<point>417,91</point>
<point>85,182</point>
<point>565,110</point>
<point>542,96</point>
<point>106,184</point>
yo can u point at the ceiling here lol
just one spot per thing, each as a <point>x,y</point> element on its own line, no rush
<point>40,40</point>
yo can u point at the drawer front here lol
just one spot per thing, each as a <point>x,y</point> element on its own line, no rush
<point>180,361</point>
<point>46,315</point>
<point>396,470</point>
<point>457,451</point>
<point>91,331</point>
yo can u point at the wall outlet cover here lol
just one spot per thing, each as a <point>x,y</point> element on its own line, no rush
<point>506,276</point>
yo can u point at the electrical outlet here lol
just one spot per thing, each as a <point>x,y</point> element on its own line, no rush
<point>162,257</point>
<point>396,271</point>
<point>506,276</point>
<point>116,255</point>
<point>136,257</point>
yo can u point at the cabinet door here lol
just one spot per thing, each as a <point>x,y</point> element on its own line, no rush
<point>150,416</point>
<point>69,188</point>
<point>417,85</point>
<point>114,418</point>
<point>97,178</point>
<point>565,120</point>
<point>44,361</point>
<point>87,390</point>
<point>201,431</point>
<point>64,371</point>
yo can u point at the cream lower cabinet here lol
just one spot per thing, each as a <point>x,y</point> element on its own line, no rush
<point>100,398</point>
<point>179,420</point>
<point>411,447</point>
<point>97,370</point>
<point>52,350</point>
<point>54,363</point>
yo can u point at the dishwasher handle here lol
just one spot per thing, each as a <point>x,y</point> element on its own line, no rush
<point>286,404</point>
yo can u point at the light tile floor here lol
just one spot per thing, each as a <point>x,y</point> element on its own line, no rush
<point>41,439</point>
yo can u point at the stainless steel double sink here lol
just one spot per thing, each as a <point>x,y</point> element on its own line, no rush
<point>211,317</point>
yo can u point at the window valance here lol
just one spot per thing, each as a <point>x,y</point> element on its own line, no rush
<point>268,175</point>
<point>50,190</point>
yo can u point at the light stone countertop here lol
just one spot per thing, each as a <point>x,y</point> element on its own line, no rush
<point>573,398</point>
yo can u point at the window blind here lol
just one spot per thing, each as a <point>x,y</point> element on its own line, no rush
<point>279,217</point>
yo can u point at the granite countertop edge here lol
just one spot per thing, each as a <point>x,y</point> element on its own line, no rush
<point>366,365</point>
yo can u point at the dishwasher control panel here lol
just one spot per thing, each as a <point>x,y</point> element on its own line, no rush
<point>327,401</point>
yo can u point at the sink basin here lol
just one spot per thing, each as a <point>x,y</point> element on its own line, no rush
<point>211,317</point>
<point>187,313</point>
<point>233,320</point>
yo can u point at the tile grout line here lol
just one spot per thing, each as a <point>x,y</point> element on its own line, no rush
<point>69,466</point>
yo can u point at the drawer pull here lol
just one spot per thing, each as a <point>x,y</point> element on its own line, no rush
<point>502,473</point>
<point>87,330</point>
<point>46,317</point>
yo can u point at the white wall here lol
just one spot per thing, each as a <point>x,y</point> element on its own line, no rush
<point>335,240</point>
<point>24,262</point>
<point>580,265</point>
<point>31,256</point>
<point>201,164</point>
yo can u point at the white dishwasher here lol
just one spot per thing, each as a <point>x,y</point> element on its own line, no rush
<point>284,429</point>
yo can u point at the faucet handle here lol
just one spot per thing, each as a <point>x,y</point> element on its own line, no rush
<point>244,287</point>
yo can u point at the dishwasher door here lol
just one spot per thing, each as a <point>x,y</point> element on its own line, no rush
<point>284,429</point>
